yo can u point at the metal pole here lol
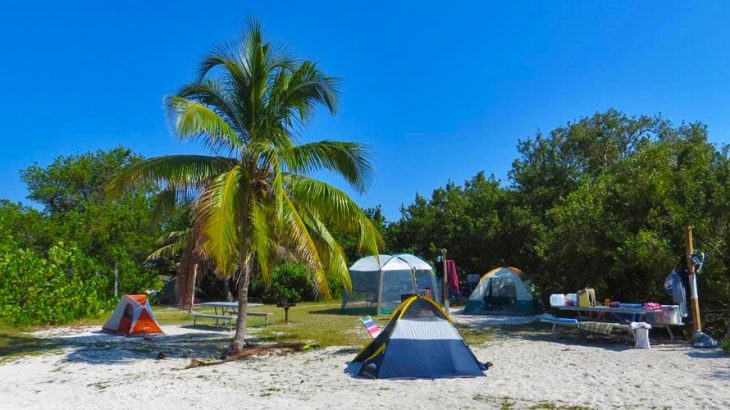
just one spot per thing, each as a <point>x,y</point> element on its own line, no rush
<point>694,302</point>
<point>192,293</point>
<point>380,287</point>
<point>415,283</point>
<point>445,281</point>
<point>116,281</point>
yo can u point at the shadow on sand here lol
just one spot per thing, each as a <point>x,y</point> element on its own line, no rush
<point>569,337</point>
<point>202,342</point>
<point>715,353</point>
<point>352,369</point>
<point>100,348</point>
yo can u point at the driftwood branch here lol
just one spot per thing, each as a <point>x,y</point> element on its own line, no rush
<point>248,351</point>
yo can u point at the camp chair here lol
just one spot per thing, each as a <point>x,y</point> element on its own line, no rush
<point>370,326</point>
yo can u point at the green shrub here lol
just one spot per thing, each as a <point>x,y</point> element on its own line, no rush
<point>292,281</point>
<point>725,345</point>
<point>58,288</point>
<point>336,286</point>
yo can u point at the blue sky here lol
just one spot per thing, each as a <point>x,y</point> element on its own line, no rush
<point>438,90</point>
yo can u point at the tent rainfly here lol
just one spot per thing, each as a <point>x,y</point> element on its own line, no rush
<point>503,290</point>
<point>133,317</point>
<point>419,341</point>
<point>382,281</point>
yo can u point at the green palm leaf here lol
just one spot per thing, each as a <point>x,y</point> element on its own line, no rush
<point>181,172</point>
<point>348,159</point>
<point>217,217</point>
<point>196,120</point>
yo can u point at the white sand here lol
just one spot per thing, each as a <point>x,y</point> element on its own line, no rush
<point>99,371</point>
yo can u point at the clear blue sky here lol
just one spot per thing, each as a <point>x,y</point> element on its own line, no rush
<point>439,90</point>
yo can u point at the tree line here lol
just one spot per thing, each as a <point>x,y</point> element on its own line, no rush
<point>599,202</point>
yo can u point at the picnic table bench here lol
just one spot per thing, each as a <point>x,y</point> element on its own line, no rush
<point>228,311</point>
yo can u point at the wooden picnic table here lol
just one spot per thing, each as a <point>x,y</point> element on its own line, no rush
<point>226,307</point>
<point>228,312</point>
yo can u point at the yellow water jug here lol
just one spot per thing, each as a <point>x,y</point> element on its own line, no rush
<point>586,297</point>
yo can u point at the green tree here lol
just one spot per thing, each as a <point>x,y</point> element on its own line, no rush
<point>26,225</point>
<point>599,202</point>
<point>552,166</point>
<point>255,202</point>
<point>613,193</point>
<point>116,235</point>
<point>479,223</point>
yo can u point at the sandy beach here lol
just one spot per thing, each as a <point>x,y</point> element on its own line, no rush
<point>94,370</point>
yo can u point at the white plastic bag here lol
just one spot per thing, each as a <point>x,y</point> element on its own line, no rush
<point>641,334</point>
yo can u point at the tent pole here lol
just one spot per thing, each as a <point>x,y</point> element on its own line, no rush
<point>445,290</point>
<point>380,288</point>
<point>695,305</point>
<point>415,283</point>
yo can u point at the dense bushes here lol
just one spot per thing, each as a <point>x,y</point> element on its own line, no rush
<point>62,286</point>
<point>58,263</point>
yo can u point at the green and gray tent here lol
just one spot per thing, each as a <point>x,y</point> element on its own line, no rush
<point>503,291</point>
<point>419,341</point>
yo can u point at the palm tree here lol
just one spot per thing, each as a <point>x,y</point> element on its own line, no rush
<point>254,201</point>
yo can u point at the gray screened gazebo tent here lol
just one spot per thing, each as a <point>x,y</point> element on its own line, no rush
<point>380,281</point>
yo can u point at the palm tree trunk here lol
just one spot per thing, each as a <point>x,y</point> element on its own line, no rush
<point>240,338</point>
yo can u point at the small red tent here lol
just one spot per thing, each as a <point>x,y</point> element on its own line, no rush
<point>133,317</point>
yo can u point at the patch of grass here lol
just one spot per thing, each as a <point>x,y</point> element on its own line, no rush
<point>99,385</point>
<point>552,406</point>
<point>480,397</point>
<point>544,405</point>
<point>725,345</point>
<point>473,335</point>
<point>318,322</point>
<point>168,315</point>
<point>507,405</point>
<point>506,402</point>
<point>269,391</point>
